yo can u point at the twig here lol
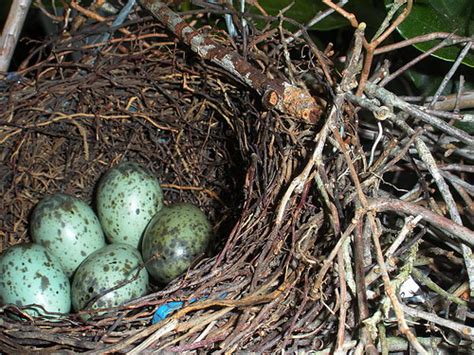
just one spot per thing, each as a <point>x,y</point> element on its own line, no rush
<point>383,339</point>
<point>362,303</point>
<point>349,16</point>
<point>161,331</point>
<point>394,7</point>
<point>349,80</point>
<point>430,163</point>
<point>11,31</point>
<point>194,325</point>
<point>345,85</point>
<point>458,181</point>
<point>99,18</point>
<point>450,73</point>
<point>276,93</point>
<point>459,93</point>
<point>391,99</point>
<point>121,17</point>
<point>414,61</point>
<point>464,330</point>
<point>343,301</point>
<point>453,229</point>
<point>330,258</point>
<point>402,325</point>
<point>410,224</point>
<point>317,18</point>
<point>376,41</point>
<point>453,39</point>
<point>152,330</point>
<point>426,281</point>
<point>39,5</point>
<point>298,182</point>
<point>449,102</point>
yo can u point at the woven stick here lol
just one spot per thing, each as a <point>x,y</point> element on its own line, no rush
<point>276,93</point>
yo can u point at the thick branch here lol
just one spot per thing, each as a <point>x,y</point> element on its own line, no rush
<point>11,31</point>
<point>391,99</point>
<point>276,93</point>
<point>452,228</point>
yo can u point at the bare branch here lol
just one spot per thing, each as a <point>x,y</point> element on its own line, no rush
<point>11,31</point>
<point>276,93</point>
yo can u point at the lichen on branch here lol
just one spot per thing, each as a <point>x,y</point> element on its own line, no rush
<point>276,93</point>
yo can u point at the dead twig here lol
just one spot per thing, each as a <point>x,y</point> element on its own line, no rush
<point>11,31</point>
<point>276,93</point>
<point>381,36</point>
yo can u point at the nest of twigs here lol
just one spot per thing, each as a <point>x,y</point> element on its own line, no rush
<point>295,206</point>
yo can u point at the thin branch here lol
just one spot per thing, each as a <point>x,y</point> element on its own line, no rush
<point>349,16</point>
<point>450,73</point>
<point>402,324</point>
<point>430,163</point>
<point>370,47</point>
<point>341,330</point>
<point>453,39</point>
<point>412,62</point>
<point>410,224</point>
<point>276,93</point>
<point>121,17</point>
<point>426,281</point>
<point>463,329</point>
<point>452,229</point>
<point>321,15</point>
<point>391,99</point>
<point>11,31</point>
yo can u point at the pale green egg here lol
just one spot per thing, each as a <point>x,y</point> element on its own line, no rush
<point>103,278</point>
<point>30,274</point>
<point>68,228</point>
<point>176,235</point>
<point>127,198</point>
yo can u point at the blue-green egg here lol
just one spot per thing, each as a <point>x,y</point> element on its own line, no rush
<point>30,274</point>
<point>127,198</point>
<point>103,278</point>
<point>176,235</point>
<point>68,228</point>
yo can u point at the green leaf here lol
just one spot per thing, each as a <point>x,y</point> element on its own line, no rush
<point>429,16</point>
<point>371,12</point>
<point>466,125</point>
<point>426,84</point>
<point>303,11</point>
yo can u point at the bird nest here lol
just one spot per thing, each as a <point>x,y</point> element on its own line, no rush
<point>283,196</point>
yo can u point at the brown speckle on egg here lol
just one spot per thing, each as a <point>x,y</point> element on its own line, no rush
<point>59,221</point>
<point>27,267</point>
<point>122,197</point>
<point>174,238</point>
<point>105,269</point>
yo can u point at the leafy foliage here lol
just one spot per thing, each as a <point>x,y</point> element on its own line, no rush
<point>429,16</point>
<point>303,11</point>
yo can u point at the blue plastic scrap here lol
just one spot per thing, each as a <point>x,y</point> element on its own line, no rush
<point>166,309</point>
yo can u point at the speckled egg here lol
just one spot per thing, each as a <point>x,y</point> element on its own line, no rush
<point>127,198</point>
<point>105,269</point>
<point>30,274</point>
<point>68,228</point>
<point>176,235</point>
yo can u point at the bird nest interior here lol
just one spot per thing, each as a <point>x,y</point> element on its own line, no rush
<point>280,193</point>
<point>76,113</point>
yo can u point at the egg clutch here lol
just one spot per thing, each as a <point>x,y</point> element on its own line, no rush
<point>83,260</point>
